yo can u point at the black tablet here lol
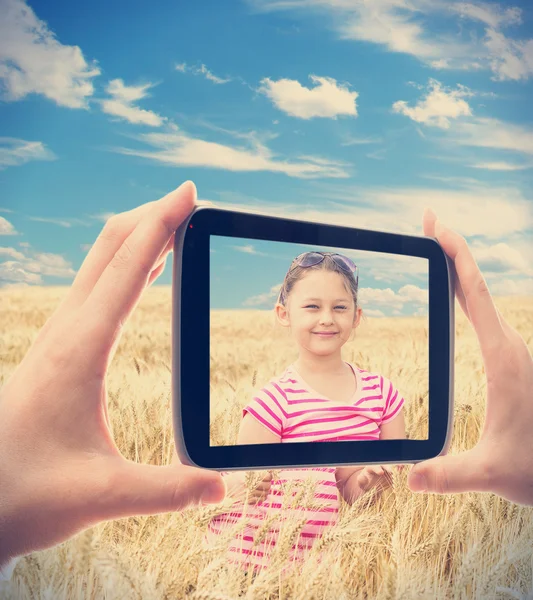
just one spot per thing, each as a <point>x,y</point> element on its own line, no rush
<point>299,344</point>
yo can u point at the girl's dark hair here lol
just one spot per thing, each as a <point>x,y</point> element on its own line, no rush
<point>328,264</point>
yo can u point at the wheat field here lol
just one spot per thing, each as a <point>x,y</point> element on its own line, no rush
<point>403,545</point>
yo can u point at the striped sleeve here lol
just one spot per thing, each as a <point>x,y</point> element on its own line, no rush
<point>268,406</point>
<point>393,400</point>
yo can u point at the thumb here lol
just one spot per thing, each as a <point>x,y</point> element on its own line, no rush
<point>449,474</point>
<point>146,490</point>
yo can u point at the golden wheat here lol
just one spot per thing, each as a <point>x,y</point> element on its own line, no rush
<point>395,544</point>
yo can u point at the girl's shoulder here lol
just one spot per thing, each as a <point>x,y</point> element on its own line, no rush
<point>278,384</point>
<point>372,378</point>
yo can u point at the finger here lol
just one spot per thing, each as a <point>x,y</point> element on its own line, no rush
<point>373,479</point>
<point>119,288</point>
<point>145,489</point>
<point>263,485</point>
<point>481,310</point>
<point>452,473</point>
<point>156,272</point>
<point>429,220</point>
<point>115,231</point>
<point>168,249</point>
<point>363,481</point>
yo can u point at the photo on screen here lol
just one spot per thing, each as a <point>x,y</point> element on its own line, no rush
<point>365,313</point>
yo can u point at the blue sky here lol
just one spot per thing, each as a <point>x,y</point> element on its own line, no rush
<point>344,111</point>
<point>389,285</point>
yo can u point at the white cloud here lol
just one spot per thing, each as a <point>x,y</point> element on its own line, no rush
<point>30,269</point>
<point>202,70</point>
<point>45,264</point>
<point>13,286</point>
<point>33,61</point>
<point>378,154</point>
<point>407,295</point>
<point>492,15</point>
<point>501,258</point>
<point>59,222</point>
<point>62,222</point>
<point>511,287</point>
<point>266,298</point>
<point>12,271</point>
<point>373,312</point>
<point>103,217</point>
<point>24,244</point>
<point>501,166</point>
<point>123,103</point>
<point>472,209</point>
<point>179,149</point>
<point>407,26</point>
<point>493,133</point>
<point>412,293</point>
<point>510,59</point>
<point>15,152</point>
<point>327,99</point>
<point>12,253</point>
<point>438,106</point>
<point>248,249</point>
<point>7,228</point>
<point>351,141</point>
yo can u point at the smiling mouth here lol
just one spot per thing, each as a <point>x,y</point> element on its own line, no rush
<point>325,332</point>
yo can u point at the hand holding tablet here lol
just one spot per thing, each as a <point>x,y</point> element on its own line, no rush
<point>60,470</point>
<point>54,431</point>
<point>502,460</point>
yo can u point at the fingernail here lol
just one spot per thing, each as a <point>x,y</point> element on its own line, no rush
<point>418,482</point>
<point>189,183</point>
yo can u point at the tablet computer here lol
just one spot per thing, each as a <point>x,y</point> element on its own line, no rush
<point>238,351</point>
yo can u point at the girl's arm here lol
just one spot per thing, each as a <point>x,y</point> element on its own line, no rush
<point>347,478</point>
<point>252,431</point>
<point>395,429</point>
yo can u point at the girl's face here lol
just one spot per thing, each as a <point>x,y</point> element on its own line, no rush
<point>318,303</point>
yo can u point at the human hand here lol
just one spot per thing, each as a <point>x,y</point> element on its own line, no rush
<point>250,487</point>
<point>502,460</point>
<point>369,476</point>
<point>60,470</point>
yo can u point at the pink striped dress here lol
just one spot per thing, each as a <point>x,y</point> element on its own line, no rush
<point>290,408</point>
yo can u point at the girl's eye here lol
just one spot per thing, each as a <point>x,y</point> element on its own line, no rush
<point>315,306</point>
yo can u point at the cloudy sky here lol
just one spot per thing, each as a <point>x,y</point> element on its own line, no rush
<point>248,274</point>
<point>344,111</point>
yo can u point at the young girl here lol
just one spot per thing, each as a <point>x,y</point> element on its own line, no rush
<point>318,398</point>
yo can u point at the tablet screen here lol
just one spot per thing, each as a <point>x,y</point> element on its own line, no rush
<point>330,346</point>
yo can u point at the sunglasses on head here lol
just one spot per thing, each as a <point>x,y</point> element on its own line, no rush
<point>310,259</point>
